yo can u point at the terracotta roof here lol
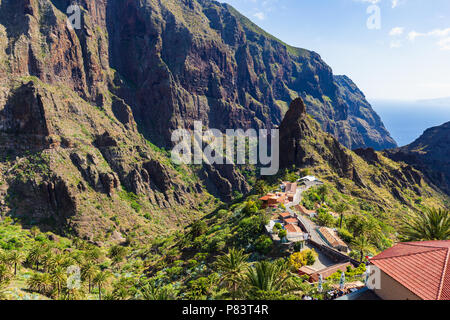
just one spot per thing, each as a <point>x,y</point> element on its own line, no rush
<point>292,228</point>
<point>303,210</point>
<point>421,267</point>
<point>307,270</point>
<point>285,215</point>
<point>331,237</point>
<point>327,272</point>
<point>291,221</point>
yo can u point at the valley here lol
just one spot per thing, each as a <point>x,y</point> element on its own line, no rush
<point>88,182</point>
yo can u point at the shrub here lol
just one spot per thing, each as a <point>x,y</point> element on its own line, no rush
<point>250,208</point>
<point>192,263</point>
<point>297,260</point>
<point>345,235</point>
<point>310,256</point>
<point>303,258</point>
<point>263,244</point>
<point>199,228</point>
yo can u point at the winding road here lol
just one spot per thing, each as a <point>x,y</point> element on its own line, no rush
<point>309,226</point>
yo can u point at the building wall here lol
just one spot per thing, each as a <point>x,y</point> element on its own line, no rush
<point>391,289</point>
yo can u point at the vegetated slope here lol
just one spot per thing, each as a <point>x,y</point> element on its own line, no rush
<point>71,156</point>
<point>69,165</point>
<point>363,173</point>
<point>74,103</point>
<point>377,193</point>
<point>429,154</point>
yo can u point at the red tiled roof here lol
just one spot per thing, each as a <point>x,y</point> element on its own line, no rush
<point>291,220</point>
<point>285,215</point>
<point>421,267</point>
<point>292,228</point>
<point>331,237</point>
<point>303,210</point>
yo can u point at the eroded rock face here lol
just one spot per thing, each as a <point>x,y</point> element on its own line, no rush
<point>304,145</point>
<point>429,154</point>
<point>224,180</point>
<point>203,61</point>
<point>300,143</point>
<point>74,103</point>
<point>24,113</point>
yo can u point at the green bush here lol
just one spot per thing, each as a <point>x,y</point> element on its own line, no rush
<point>263,244</point>
<point>282,233</point>
<point>345,235</point>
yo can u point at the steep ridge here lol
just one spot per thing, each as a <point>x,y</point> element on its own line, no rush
<point>364,173</point>
<point>79,107</point>
<point>429,154</point>
<point>72,157</point>
<point>175,62</point>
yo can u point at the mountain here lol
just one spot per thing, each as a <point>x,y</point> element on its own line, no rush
<point>363,173</point>
<point>377,193</point>
<point>174,62</point>
<point>429,153</point>
<point>85,114</point>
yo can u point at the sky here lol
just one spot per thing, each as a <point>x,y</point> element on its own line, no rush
<point>392,49</point>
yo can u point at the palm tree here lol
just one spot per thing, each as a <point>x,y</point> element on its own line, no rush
<point>432,224</point>
<point>340,209</point>
<point>5,273</point>
<point>54,261</point>
<point>34,231</point>
<point>100,280</point>
<point>232,266</point>
<point>322,192</point>
<point>15,258</point>
<point>153,292</point>
<point>363,245</point>
<point>41,283</point>
<point>269,277</point>
<point>58,278</point>
<point>3,258</point>
<point>88,272</point>
<point>3,288</point>
<point>36,255</point>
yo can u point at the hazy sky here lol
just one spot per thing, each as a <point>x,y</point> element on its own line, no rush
<point>407,58</point>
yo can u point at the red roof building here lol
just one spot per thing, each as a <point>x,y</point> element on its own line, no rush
<point>291,221</point>
<point>292,228</point>
<point>305,211</point>
<point>415,271</point>
<point>273,199</point>
<point>285,215</point>
<point>326,272</point>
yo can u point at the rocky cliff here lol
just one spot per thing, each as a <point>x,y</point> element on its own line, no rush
<point>85,113</point>
<point>364,173</point>
<point>430,154</point>
<point>174,62</point>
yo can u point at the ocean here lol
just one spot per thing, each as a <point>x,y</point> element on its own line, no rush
<point>407,120</point>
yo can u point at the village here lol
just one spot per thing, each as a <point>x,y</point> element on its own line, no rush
<point>291,225</point>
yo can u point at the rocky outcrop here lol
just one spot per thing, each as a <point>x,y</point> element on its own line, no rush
<point>224,180</point>
<point>304,145</point>
<point>206,62</point>
<point>363,126</point>
<point>429,154</point>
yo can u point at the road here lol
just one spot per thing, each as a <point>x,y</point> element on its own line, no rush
<point>307,223</point>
